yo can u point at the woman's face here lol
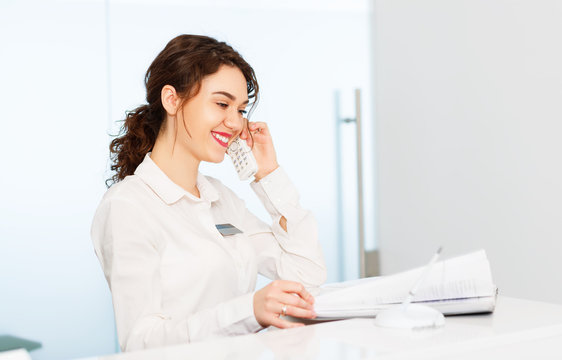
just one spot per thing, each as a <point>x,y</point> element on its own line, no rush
<point>215,116</point>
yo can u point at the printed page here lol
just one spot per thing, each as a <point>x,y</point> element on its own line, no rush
<point>465,276</point>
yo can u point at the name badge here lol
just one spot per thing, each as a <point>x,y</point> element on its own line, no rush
<point>228,229</point>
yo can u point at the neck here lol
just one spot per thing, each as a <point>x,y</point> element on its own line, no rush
<point>180,166</point>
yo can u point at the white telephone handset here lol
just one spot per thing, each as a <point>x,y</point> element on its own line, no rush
<point>243,159</point>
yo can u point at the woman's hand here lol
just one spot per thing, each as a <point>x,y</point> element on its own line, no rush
<point>283,297</point>
<point>263,149</point>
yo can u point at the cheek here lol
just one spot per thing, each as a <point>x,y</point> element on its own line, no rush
<point>202,120</point>
<point>216,117</point>
<point>192,123</point>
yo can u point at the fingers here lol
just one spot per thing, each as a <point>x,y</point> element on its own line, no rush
<point>294,287</point>
<point>293,300</point>
<point>249,140</point>
<point>299,312</point>
<point>244,134</point>
<point>258,128</point>
<point>294,296</point>
<point>283,297</point>
<point>291,305</point>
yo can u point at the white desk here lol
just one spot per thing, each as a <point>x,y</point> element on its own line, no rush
<point>518,329</point>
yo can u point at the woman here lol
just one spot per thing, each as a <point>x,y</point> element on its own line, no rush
<point>173,276</point>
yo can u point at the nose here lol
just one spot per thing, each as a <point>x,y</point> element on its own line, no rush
<point>234,121</point>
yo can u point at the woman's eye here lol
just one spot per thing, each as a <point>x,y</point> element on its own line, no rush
<point>222,105</point>
<point>242,112</point>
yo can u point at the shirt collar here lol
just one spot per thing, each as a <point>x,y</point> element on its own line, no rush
<point>169,191</point>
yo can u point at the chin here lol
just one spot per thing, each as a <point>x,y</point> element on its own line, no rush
<point>217,159</point>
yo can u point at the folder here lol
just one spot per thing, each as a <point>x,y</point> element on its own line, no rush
<point>460,285</point>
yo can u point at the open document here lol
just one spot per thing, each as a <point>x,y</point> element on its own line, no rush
<point>459,285</point>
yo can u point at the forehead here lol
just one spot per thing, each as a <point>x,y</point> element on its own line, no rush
<point>229,79</point>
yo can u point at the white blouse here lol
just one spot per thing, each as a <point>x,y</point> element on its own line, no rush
<point>174,278</point>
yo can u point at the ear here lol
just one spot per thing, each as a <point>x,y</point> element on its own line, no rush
<point>170,99</point>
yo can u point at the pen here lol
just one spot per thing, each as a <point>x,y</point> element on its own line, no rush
<point>421,279</point>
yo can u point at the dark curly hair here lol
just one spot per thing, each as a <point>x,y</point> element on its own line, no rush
<point>183,64</point>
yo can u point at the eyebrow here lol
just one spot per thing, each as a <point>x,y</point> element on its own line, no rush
<point>230,96</point>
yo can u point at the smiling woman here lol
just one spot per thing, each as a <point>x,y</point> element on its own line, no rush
<point>179,70</point>
<point>174,276</point>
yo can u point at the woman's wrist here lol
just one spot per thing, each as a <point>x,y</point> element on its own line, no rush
<point>263,173</point>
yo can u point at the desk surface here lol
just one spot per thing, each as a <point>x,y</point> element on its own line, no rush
<point>518,328</point>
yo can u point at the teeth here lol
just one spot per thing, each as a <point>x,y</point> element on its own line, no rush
<point>220,137</point>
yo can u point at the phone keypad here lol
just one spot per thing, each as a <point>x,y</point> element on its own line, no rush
<point>243,159</point>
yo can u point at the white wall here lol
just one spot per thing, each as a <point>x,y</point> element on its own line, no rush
<point>469,124</point>
<point>53,101</point>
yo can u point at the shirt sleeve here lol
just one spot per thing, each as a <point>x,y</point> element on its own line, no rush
<point>294,254</point>
<point>128,248</point>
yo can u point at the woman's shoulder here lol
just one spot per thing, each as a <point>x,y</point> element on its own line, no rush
<point>129,198</point>
<point>125,209</point>
<point>131,189</point>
